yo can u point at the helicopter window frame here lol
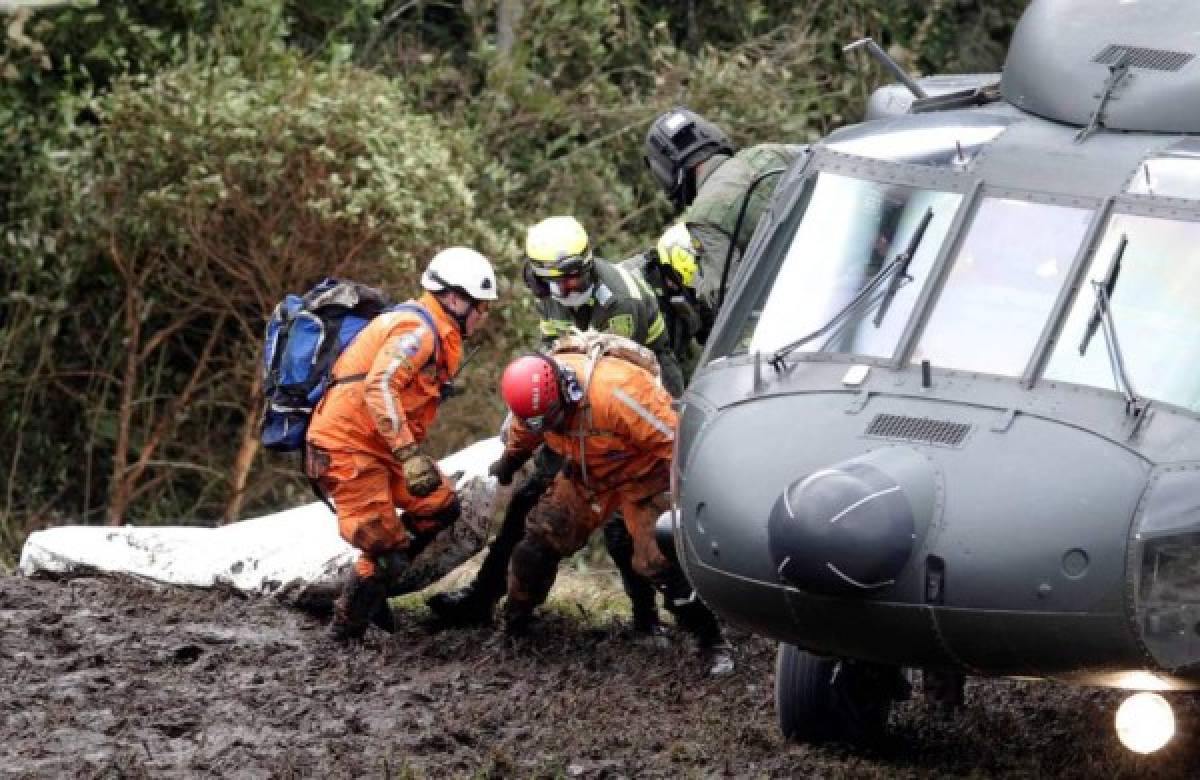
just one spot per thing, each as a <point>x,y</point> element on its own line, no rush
<point>937,283</point>
<point>1124,204</point>
<point>751,281</point>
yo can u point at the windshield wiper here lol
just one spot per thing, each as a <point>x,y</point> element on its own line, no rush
<point>904,259</point>
<point>1110,283</point>
<point>896,272</point>
<point>1102,314</point>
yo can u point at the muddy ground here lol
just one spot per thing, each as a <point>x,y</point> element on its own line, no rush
<point>105,677</point>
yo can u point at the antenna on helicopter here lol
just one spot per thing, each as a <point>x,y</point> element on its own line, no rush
<point>889,63</point>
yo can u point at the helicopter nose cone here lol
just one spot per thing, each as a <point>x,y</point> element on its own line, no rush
<point>848,529</point>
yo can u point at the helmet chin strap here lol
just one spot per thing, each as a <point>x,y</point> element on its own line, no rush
<point>459,319</point>
<point>576,298</point>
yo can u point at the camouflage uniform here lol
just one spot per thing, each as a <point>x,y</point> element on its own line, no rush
<point>721,184</point>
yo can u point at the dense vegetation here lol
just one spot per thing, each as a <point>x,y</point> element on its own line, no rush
<point>174,166</point>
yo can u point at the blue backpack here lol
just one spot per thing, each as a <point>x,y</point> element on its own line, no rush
<point>304,337</point>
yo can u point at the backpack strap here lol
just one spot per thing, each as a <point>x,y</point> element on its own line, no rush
<point>423,313</point>
<point>425,317</point>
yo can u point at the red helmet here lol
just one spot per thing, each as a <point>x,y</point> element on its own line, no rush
<point>530,388</point>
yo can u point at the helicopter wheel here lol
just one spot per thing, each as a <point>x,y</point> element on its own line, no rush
<point>821,699</point>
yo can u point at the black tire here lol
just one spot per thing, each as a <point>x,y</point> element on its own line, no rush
<point>803,684</point>
<point>826,699</point>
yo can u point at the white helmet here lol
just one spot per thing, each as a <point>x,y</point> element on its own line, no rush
<point>462,269</point>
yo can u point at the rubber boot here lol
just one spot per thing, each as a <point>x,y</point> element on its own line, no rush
<point>639,589</point>
<point>474,604</point>
<point>360,599</point>
<point>534,568</point>
<point>517,617</point>
<point>694,616</point>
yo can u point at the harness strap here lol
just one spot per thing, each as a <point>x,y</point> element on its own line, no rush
<point>347,379</point>
<point>424,315</point>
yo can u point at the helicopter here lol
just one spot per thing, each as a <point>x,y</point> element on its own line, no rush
<point>948,418</point>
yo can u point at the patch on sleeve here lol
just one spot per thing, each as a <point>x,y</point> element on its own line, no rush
<point>622,325</point>
<point>410,343</point>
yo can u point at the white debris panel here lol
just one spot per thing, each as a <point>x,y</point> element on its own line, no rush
<point>296,554</point>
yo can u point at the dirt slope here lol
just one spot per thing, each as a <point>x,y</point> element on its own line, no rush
<point>112,678</point>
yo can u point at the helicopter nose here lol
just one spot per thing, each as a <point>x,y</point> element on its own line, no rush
<point>850,529</point>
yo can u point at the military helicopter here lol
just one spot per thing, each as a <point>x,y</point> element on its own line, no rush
<point>949,416</point>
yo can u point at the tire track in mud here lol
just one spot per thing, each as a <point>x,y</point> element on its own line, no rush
<point>107,677</point>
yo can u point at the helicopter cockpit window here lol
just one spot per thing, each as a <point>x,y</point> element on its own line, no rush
<point>848,271</point>
<point>1151,269</point>
<point>1013,262</point>
<point>1177,176</point>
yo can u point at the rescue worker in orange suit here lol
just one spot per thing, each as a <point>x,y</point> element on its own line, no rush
<point>575,291</point>
<point>364,440</point>
<point>612,422</point>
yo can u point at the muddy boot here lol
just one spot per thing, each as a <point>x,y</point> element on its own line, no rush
<point>530,577</point>
<point>719,658</point>
<point>359,601</point>
<point>693,616</point>
<point>716,652</point>
<point>517,617</point>
<point>469,606</point>
<point>474,604</point>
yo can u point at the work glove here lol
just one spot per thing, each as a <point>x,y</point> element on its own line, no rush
<point>445,517</point>
<point>425,527</point>
<point>421,473</point>
<point>508,465</point>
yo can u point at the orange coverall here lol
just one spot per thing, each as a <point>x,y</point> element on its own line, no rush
<point>618,443</point>
<point>359,423</point>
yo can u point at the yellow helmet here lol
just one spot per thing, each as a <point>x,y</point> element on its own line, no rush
<point>558,246</point>
<point>679,250</point>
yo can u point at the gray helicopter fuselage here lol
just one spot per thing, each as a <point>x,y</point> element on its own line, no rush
<point>955,474</point>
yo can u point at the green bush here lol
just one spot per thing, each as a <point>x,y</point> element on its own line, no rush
<point>201,195</point>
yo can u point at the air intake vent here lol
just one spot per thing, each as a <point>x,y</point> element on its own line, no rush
<point>895,426</point>
<point>1138,57</point>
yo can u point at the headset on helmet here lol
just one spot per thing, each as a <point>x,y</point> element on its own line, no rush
<point>462,269</point>
<point>678,140</point>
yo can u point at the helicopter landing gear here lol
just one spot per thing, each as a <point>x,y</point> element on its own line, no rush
<point>821,699</point>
